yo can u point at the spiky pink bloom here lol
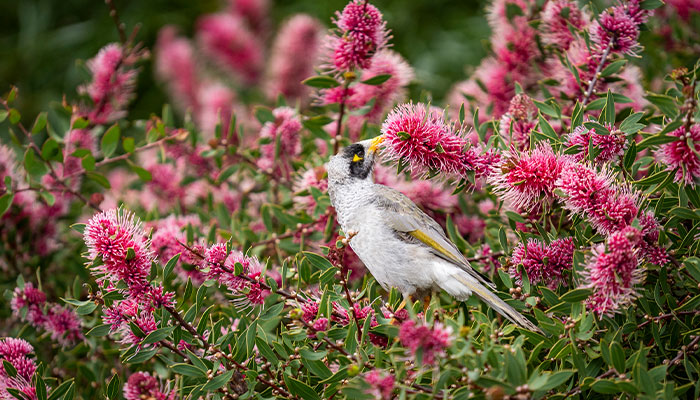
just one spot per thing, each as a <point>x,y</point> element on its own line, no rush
<point>616,29</point>
<point>607,206</point>
<point>649,246</point>
<point>424,342</point>
<point>515,47</point>
<point>613,272</point>
<point>320,325</point>
<point>420,136</point>
<point>309,311</point>
<point>254,12</point>
<point>523,180</point>
<point>16,352</point>
<point>166,242</point>
<point>612,145</point>
<point>360,33</point>
<point>217,104</point>
<point>381,387</point>
<point>112,84</point>
<point>284,142</point>
<point>245,287</point>
<point>683,155</point>
<point>226,39</point>
<point>300,34</point>
<point>556,18</point>
<point>116,237</point>
<point>543,263</point>
<point>33,300</point>
<point>497,12</point>
<point>141,385</point>
<point>385,62</point>
<point>519,121</point>
<point>176,66</point>
<point>495,83</point>
<point>64,324</point>
<point>685,8</point>
<point>146,322</point>
<point>470,226</point>
<point>120,313</point>
<point>11,348</point>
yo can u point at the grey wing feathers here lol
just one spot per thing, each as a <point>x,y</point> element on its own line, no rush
<point>402,215</point>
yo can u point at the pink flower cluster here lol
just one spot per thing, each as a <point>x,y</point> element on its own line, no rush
<point>419,135</point>
<point>683,155</point>
<point>524,180</point>
<point>118,250</point>
<point>381,386</point>
<point>343,317</point>
<point>29,304</point>
<point>519,121</point>
<point>612,272</point>
<point>16,352</point>
<point>112,85</point>
<point>360,33</point>
<point>557,16</point>
<point>220,265</point>
<point>167,239</point>
<point>284,143</point>
<point>425,343</point>
<point>543,263</point>
<point>617,28</point>
<point>141,385</point>
<point>611,144</point>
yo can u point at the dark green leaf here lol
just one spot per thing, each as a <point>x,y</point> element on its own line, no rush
<point>218,381</point>
<point>39,123</point>
<point>6,202</point>
<point>34,166</point>
<point>113,387</point>
<point>613,67</point>
<point>170,265</point>
<point>301,389</point>
<point>99,331</point>
<point>321,81</point>
<point>576,295</point>
<point>110,140</point>
<point>188,370</point>
<point>377,80</point>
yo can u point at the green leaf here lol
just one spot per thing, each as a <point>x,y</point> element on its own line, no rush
<point>158,335</point>
<point>188,370</point>
<point>99,331</point>
<point>547,130</point>
<point>99,178</point>
<point>15,116</point>
<point>631,125</point>
<point>113,387</point>
<point>377,80</point>
<point>78,227</point>
<point>86,308</point>
<point>39,123</point>
<point>685,213</point>
<point>630,156</point>
<point>318,261</point>
<point>88,162</point>
<point>110,140</point>
<point>613,67</point>
<point>50,150</point>
<point>617,356</point>
<point>301,389</point>
<point>170,265</point>
<point>218,381</point>
<point>554,380</point>
<point>142,356</point>
<point>576,295</point>
<point>321,82</point>
<point>609,109</point>
<point>80,123</point>
<point>142,173</point>
<point>665,104</point>
<point>650,5</point>
<point>605,386</point>
<point>655,140</point>
<point>128,144</point>
<point>34,166</point>
<point>9,368</point>
<point>61,389</point>
<point>264,114</point>
<point>6,202</point>
<point>40,387</point>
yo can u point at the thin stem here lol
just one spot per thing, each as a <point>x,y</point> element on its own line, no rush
<point>594,80</point>
<point>115,17</point>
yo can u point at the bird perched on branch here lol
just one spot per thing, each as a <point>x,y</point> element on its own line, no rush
<point>402,246</point>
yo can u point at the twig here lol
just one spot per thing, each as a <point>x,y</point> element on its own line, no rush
<point>115,17</point>
<point>690,348</point>
<point>594,80</point>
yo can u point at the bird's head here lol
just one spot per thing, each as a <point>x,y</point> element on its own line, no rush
<point>354,162</point>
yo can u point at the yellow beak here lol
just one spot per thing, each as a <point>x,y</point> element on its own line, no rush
<point>374,144</point>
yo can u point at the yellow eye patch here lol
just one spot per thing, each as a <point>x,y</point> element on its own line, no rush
<point>356,158</point>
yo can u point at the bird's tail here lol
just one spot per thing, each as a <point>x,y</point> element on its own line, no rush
<point>495,302</point>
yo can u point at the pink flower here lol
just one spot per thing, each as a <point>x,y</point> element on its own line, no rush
<point>301,34</point>
<point>606,206</point>
<point>612,273</point>
<point>64,325</point>
<point>166,242</point>
<point>519,121</point>
<point>255,13</point>
<point>245,287</point>
<point>382,387</point>
<point>120,313</point>
<point>543,263</point>
<point>470,226</point>
<point>515,46</point>
<point>320,325</point>
<point>649,246</point>
<point>146,322</point>
<point>226,39</point>
<point>421,136</point>
<point>385,62</point>
<point>176,66</point>
<point>360,33</point>
<point>33,300</point>
<point>523,180</point>
<point>425,343</point>
<point>216,105</point>
<point>11,348</point>
<point>683,155</point>
<point>309,311</point>
<point>611,145</point>
<point>556,18</point>
<point>141,385</point>
<point>284,142</point>
<point>16,353</point>
<point>617,29</point>
<point>76,139</point>
<point>497,12</point>
<point>112,85</point>
<point>117,238</point>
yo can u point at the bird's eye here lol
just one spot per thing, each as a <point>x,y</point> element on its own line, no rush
<point>356,158</point>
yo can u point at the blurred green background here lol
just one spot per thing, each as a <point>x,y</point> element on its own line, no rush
<point>44,43</point>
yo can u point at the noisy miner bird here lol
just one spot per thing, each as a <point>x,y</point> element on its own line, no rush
<point>402,246</point>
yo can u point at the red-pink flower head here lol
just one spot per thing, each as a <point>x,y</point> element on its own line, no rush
<point>360,33</point>
<point>217,104</point>
<point>683,155</point>
<point>116,237</point>
<point>611,144</point>
<point>519,121</point>
<point>649,246</point>
<point>608,207</point>
<point>523,180</point>
<point>64,324</point>
<point>419,135</point>
<point>300,34</point>
<point>244,287</point>
<point>254,12</point>
<point>612,273</point>
<point>381,387</point>
<point>112,84</point>
<point>16,352</point>
<point>543,263</point>
<point>501,12</point>
<point>141,385</point>
<point>515,46</point>
<point>176,66</point>
<point>616,29</point>
<point>285,130</point>
<point>385,62</point>
<point>32,299</point>
<point>226,39</point>
<point>425,342</point>
<point>557,16</point>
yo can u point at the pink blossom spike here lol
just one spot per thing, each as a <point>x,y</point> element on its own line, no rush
<point>611,145</point>
<point>176,67</point>
<point>381,387</point>
<point>545,264</point>
<point>683,155</point>
<point>556,18</point>
<point>431,341</point>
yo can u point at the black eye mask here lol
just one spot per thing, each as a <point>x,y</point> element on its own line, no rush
<point>356,155</point>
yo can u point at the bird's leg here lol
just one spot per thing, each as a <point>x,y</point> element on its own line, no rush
<point>426,303</point>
